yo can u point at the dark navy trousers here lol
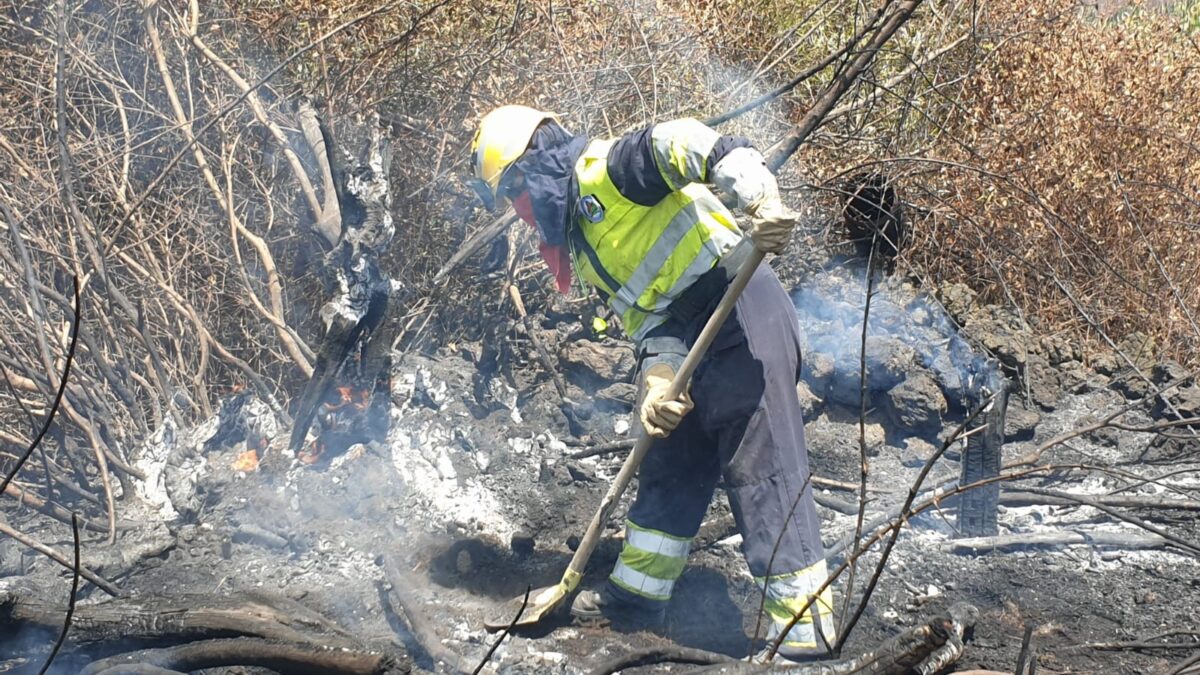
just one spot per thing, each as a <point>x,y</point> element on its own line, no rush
<point>746,432</point>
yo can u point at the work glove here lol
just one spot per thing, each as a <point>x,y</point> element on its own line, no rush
<point>659,415</point>
<point>771,223</point>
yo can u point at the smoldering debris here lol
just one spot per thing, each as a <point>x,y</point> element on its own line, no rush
<point>919,369</point>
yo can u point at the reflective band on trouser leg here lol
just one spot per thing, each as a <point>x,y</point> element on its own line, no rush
<point>786,594</point>
<point>650,562</point>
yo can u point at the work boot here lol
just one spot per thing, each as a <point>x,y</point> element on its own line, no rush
<point>602,608</point>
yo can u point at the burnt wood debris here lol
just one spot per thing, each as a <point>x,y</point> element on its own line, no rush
<point>277,396</point>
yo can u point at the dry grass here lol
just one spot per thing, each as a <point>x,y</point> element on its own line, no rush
<point>1081,203</point>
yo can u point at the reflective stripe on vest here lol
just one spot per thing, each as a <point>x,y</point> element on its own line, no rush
<point>786,594</point>
<point>653,252</point>
<point>686,145</point>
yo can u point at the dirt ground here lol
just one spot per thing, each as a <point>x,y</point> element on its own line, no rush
<point>476,468</point>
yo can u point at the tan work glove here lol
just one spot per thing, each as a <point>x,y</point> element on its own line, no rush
<point>771,223</point>
<point>659,415</point>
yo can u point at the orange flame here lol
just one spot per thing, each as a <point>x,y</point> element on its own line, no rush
<point>246,461</point>
<point>359,398</point>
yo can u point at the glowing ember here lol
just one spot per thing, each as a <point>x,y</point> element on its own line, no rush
<point>359,398</point>
<point>312,454</point>
<point>246,461</point>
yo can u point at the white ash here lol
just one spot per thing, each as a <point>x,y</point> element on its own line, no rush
<point>152,461</point>
<point>433,388</point>
<point>422,457</point>
<point>342,304</point>
<point>500,392</point>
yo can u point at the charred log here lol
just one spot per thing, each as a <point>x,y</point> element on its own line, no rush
<point>406,602</point>
<point>354,359</point>
<point>139,669</point>
<point>982,460</point>
<point>924,649</point>
<point>177,618</point>
<point>283,658</point>
<point>1048,540</point>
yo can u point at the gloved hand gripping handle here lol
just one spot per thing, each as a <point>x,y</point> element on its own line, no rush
<point>587,545</point>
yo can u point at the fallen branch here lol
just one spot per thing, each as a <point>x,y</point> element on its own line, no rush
<point>1006,543</point>
<point>179,618</point>
<point>482,237</point>
<point>543,355</point>
<point>140,669</point>
<point>1180,542</point>
<point>225,653</point>
<point>836,504</point>
<point>1027,498</point>
<point>407,604</point>
<point>924,649</point>
<point>604,449</point>
<point>1145,643</point>
<point>653,655</point>
<point>101,583</point>
<point>1184,666</point>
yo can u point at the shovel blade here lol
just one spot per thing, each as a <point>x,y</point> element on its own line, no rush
<point>542,602</point>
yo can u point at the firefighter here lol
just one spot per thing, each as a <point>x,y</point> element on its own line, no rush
<point>633,218</point>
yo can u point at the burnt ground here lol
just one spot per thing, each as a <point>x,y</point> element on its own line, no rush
<point>439,518</point>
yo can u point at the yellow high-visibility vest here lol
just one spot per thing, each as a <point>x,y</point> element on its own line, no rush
<point>642,257</point>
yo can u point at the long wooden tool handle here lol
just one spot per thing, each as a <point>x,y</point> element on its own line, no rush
<point>678,386</point>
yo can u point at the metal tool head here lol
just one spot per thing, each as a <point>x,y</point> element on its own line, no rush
<point>542,602</point>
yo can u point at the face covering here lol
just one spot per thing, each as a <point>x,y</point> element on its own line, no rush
<point>549,167</point>
<point>557,258</point>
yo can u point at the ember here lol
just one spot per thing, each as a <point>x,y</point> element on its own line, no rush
<point>350,396</point>
<point>246,461</point>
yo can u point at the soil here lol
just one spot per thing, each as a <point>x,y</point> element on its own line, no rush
<point>473,497</point>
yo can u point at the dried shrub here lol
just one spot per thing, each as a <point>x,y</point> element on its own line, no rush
<point>1078,197</point>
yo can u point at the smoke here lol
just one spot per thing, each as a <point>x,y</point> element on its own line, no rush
<point>25,646</point>
<point>909,335</point>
